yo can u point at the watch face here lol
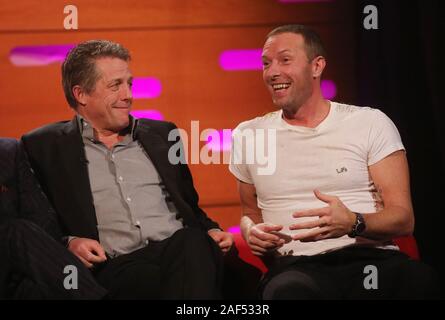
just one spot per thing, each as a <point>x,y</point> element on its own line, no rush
<point>361,226</point>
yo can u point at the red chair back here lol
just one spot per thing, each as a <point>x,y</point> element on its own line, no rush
<point>408,245</point>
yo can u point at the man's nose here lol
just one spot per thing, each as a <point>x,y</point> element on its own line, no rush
<point>273,71</point>
<point>127,94</point>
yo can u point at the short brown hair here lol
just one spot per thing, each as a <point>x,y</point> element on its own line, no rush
<point>313,44</point>
<point>79,67</point>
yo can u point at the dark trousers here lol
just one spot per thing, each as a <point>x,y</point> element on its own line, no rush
<point>33,266</point>
<point>188,265</point>
<point>350,273</point>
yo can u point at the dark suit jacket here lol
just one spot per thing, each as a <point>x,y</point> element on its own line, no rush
<point>57,155</point>
<point>20,193</point>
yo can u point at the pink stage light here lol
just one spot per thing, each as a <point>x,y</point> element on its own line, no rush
<point>221,141</point>
<point>302,1</point>
<point>147,114</point>
<point>146,88</point>
<point>27,56</point>
<point>247,59</point>
<point>328,89</point>
<point>234,229</point>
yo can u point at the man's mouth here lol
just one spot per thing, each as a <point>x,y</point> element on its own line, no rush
<point>280,86</point>
<point>122,107</point>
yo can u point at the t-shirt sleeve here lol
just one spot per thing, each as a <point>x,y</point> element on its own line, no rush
<point>238,166</point>
<point>384,138</point>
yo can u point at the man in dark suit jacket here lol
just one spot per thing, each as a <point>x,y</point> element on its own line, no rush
<point>33,259</point>
<point>127,211</point>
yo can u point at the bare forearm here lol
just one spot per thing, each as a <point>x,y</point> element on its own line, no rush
<point>393,221</point>
<point>391,180</point>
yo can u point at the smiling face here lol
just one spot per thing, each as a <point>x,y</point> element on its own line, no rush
<point>287,71</point>
<point>108,106</point>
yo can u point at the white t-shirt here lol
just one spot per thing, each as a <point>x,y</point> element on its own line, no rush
<point>286,163</point>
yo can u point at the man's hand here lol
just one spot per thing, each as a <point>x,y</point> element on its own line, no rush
<point>334,221</point>
<point>89,251</point>
<point>223,239</point>
<point>261,241</point>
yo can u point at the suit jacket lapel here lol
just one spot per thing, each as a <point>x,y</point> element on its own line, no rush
<point>75,166</point>
<point>157,150</point>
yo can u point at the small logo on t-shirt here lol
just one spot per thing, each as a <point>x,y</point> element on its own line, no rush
<point>341,170</point>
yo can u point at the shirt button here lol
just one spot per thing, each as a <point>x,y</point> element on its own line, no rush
<point>138,223</point>
<point>112,156</point>
<point>146,241</point>
<point>121,179</point>
<point>128,199</point>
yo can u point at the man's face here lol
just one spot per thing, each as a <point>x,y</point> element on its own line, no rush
<point>107,107</point>
<point>287,71</point>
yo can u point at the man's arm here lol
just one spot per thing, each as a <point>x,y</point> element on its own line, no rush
<point>33,203</point>
<point>222,238</point>
<point>391,178</point>
<point>251,214</point>
<point>254,230</point>
<point>192,199</point>
<point>191,195</point>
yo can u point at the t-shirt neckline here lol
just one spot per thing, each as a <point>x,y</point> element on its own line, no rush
<point>321,125</point>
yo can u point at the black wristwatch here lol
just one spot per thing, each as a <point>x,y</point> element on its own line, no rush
<point>359,226</point>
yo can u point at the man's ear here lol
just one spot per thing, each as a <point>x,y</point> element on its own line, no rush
<point>80,95</point>
<point>318,65</point>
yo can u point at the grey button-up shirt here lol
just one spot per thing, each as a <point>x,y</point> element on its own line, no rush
<point>131,202</point>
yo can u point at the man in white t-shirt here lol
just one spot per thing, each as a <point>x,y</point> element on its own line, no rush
<point>324,186</point>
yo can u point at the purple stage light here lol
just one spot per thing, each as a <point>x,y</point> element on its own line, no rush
<point>234,229</point>
<point>328,89</point>
<point>147,114</point>
<point>247,59</point>
<point>25,56</point>
<point>221,140</point>
<point>146,88</point>
<point>302,1</point>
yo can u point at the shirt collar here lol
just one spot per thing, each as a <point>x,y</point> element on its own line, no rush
<point>87,131</point>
